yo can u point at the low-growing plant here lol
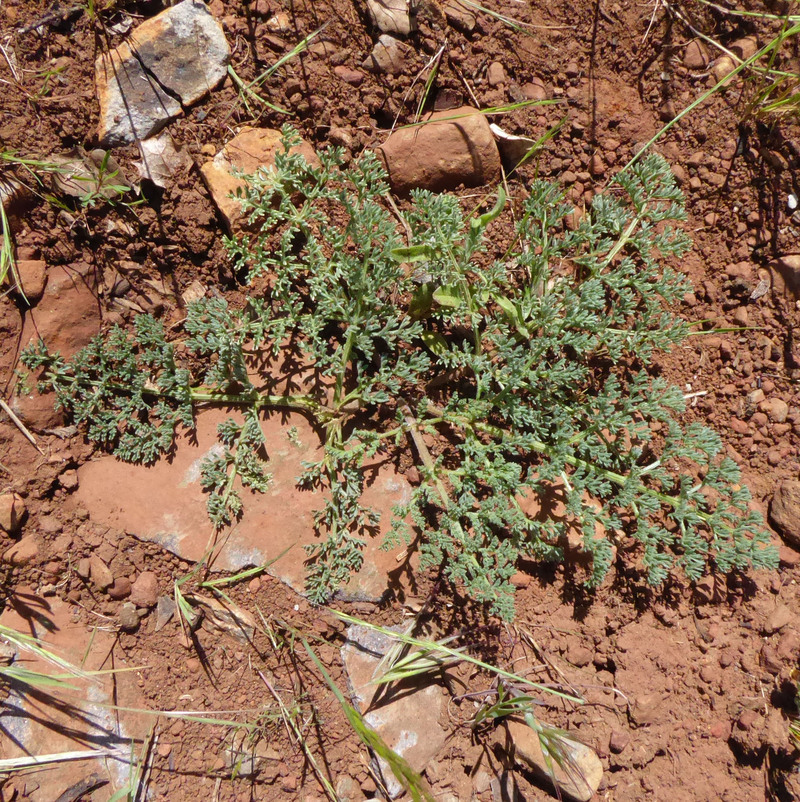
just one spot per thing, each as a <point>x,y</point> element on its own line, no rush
<point>511,376</point>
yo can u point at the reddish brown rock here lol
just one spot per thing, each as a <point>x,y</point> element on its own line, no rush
<point>251,149</point>
<point>120,588</point>
<point>695,57</point>
<point>449,149</point>
<point>32,275</point>
<point>66,318</point>
<point>25,551</point>
<point>165,503</point>
<point>100,573</point>
<point>785,274</point>
<point>73,716</point>
<point>349,76</point>
<point>12,512</point>
<point>618,740</point>
<point>784,511</point>
<point>144,591</point>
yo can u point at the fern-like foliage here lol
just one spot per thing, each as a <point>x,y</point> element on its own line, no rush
<point>514,377</point>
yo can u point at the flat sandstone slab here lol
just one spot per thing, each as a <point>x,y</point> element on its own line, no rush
<point>164,503</point>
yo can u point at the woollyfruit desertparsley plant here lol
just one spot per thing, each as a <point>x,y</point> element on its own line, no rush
<point>509,377</point>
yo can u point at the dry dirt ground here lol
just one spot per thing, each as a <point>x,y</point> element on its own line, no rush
<point>689,690</point>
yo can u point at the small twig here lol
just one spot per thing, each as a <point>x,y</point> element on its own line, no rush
<point>20,425</point>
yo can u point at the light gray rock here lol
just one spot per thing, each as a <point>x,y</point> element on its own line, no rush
<point>161,160</point>
<point>170,61</point>
<point>578,780</point>
<point>407,722</point>
<point>391,16</point>
<point>388,56</point>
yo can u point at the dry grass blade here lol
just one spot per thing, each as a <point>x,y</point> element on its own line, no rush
<point>37,761</point>
<point>404,774</point>
<point>19,424</point>
<point>456,653</point>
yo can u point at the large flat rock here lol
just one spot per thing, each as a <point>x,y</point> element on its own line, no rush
<point>50,720</point>
<point>165,503</point>
<point>170,61</point>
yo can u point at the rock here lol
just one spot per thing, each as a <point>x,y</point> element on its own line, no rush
<point>391,16</point>
<point>388,56</point>
<point>451,148</point>
<point>165,504</point>
<point>788,646</point>
<point>144,591</point>
<point>348,790</point>
<point>100,573</point>
<point>165,609</point>
<point>776,408</point>
<point>352,77</point>
<point>769,659</point>
<point>161,161</point>
<point>24,551</point>
<point>32,277</point>
<point>788,557</point>
<point>251,149</point>
<point>180,53</point>
<point>83,568</point>
<point>69,480</point>
<point>784,511</point>
<point>534,90</point>
<point>747,720</point>
<point>280,23</point>
<point>785,273</point>
<point>128,618</point>
<point>597,166</point>
<point>459,16</point>
<point>520,579</point>
<point>646,709</point>
<point>496,74</point>
<point>66,318</point>
<point>780,617</point>
<point>618,740</point>
<point>12,512</point>
<point>725,65</point>
<point>224,617</point>
<point>120,588</point>
<point>581,777</point>
<point>695,57</point>
<point>408,722</point>
<point>88,175</point>
<point>77,715</point>
<point>579,656</point>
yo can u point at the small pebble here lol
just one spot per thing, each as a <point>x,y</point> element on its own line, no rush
<point>128,618</point>
<point>618,740</point>
<point>747,719</point>
<point>120,588</point>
